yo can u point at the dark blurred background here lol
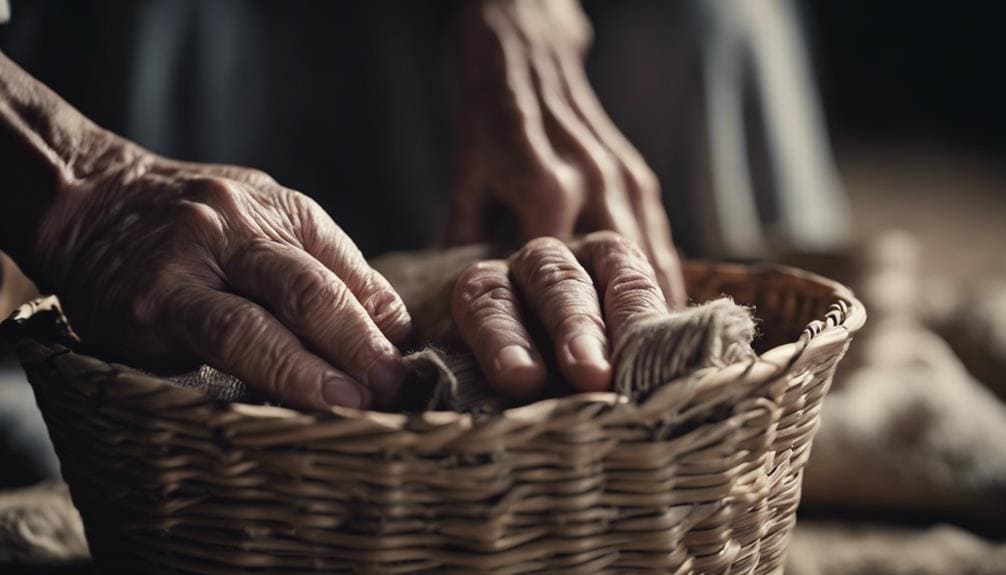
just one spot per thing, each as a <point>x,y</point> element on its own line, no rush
<point>913,94</point>
<point>925,72</point>
<point>350,101</point>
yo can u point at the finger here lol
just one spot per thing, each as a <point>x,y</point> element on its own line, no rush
<point>655,230</point>
<point>241,338</point>
<point>488,315</point>
<point>552,202</point>
<point>609,206</point>
<point>560,292</point>
<point>549,200</point>
<point>625,278</point>
<point>583,100</point>
<point>613,212</point>
<point>329,244</point>
<point>319,308</point>
<point>652,229</point>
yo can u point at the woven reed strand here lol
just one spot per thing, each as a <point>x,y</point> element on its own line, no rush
<point>703,477</point>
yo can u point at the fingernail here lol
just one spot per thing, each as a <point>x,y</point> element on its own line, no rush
<point>589,349</point>
<point>386,378</point>
<point>342,392</point>
<point>513,357</point>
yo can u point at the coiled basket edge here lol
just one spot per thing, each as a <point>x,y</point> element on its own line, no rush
<point>703,477</point>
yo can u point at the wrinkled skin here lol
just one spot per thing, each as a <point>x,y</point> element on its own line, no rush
<point>584,294</point>
<point>533,137</point>
<point>167,264</point>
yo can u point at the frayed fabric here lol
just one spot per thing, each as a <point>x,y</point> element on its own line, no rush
<point>655,351</point>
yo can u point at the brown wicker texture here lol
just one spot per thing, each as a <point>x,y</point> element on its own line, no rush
<point>703,477</point>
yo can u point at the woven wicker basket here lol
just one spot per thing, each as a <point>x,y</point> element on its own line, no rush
<point>703,477</point>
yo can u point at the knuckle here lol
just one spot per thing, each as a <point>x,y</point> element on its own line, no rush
<point>634,291</point>
<point>215,190</point>
<point>560,276</point>
<point>315,227</point>
<point>490,302</point>
<point>255,249</point>
<point>483,285</point>
<point>198,216</point>
<point>539,252</point>
<point>384,304</point>
<point>645,186</point>
<point>561,186</point>
<point>571,302</point>
<point>302,207</point>
<point>360,349</point>
<point>611,243</point>
<point>647,181</point>
<point>577,322</point>
<point>250,176</point>
<point>225,330</point>
<point>251,254</point>
<point>604,167</point>
<point>491,325</point>
<point>258,177</point>
<point>605,238</point>
<point>484,302</point>
<point>543,245</point>
<point>631,279</point>
<point>389,313</point>
<point>309,291</point>
<point>283,372</point>
<point>548,265</point>
<point>478,279</point>
<point>494,311</point>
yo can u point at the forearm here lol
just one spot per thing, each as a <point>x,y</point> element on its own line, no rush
<point>45,146</point>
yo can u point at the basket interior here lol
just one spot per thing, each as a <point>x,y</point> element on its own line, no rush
<point>783,304</point>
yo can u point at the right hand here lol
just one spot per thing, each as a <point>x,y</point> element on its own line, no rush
<point>586,295</point>
<point>168,264</point>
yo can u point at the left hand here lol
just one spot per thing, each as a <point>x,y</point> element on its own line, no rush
<point>534,137</point>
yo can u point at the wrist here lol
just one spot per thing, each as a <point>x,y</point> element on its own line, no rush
<point>48,153</point>
<point>99,174</point>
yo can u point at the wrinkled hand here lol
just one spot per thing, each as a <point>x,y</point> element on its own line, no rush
<point>168,264</point>
<point>584,294</point>
<point>533,136</point>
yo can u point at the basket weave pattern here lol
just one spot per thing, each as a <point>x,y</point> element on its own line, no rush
<point>703,477</point>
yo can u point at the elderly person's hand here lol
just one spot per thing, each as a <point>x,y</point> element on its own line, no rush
<point>166,264</point>
<point>584,295</point>
<point>533,136</point>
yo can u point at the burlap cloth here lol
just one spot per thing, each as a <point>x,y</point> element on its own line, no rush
<point>653,351</point>
<point>40,526</point>
<point>907,427</point>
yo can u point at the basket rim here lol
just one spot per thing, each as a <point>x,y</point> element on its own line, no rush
<point>846,316</point>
